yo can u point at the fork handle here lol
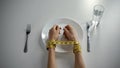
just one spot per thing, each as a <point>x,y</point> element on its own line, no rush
<point>26,47</point>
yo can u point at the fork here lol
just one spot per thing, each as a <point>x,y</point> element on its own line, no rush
<point>28,30</point>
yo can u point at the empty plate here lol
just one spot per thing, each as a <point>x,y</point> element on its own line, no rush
<point>62,22</point>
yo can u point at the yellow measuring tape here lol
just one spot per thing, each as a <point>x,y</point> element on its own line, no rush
<point>63,42</point>
<point>76,48</point>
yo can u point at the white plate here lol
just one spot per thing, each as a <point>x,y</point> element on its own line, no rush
<point>62,22</point>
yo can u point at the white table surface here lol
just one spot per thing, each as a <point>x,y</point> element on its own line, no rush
<point>15,14</point>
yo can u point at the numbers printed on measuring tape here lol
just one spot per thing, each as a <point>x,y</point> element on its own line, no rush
<point>63,42</point>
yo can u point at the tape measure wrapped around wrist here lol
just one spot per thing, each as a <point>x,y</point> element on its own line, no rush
<point>52,44</point>
<point>76,49</point>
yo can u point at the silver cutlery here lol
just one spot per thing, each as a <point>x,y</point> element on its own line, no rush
<point>88,37</point>
<point>28,30</point>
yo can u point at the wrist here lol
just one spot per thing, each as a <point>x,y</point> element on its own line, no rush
<point>50,45</point>
<point>77,48</point>
<point>77,53</point>
<point>51,49</point>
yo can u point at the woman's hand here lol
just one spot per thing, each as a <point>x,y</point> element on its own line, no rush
<point>70,33</point>
<point>54,32</point>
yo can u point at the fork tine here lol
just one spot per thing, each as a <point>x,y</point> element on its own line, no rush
<point>28,27</point>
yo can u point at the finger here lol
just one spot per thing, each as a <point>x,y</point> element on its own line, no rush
<point>66,31</point>
<point>57,27</point>
<point>69,27</point>
<point>54,27</point>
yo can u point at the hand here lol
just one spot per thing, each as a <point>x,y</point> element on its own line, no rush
<point>54,32</point>
<point>70,33</point>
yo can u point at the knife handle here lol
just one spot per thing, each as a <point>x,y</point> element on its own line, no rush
<point>26,47</point>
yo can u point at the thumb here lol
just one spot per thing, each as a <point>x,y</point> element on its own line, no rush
<point>66,33</point>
